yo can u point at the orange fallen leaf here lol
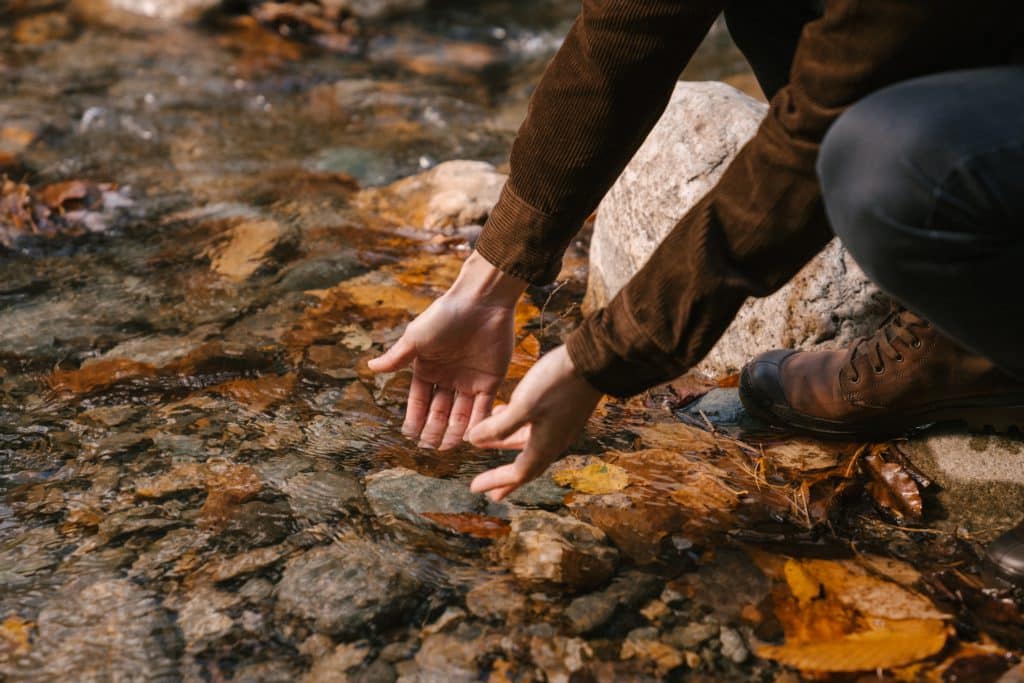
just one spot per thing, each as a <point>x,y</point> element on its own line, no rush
<point>524,355</point>
<point>99,374</point>
<point>14,635</point>
<point>478,526</point>
<point>885,645</point>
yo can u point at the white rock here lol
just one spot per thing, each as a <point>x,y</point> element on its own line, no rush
<point>543,547</point>
<point>136,14</point>
<point>830,302</point>
<point>450,195</point>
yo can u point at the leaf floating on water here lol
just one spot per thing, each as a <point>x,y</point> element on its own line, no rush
<point>595,479</point>
<point>887,644</point>
<point>469,524</point>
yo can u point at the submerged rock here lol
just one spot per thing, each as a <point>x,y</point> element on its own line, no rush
<point>829,301</point>
<point>546,548</point>
<point>107,629</point>
<point>346,588</point>
<point>592,611</point>
<point>405,494</point>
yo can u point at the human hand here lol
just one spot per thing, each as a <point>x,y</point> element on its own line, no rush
<point>548,409</point>
<point>459,349</point>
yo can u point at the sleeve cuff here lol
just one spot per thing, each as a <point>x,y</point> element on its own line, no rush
<point>523,241</point>
<point>611,353</point>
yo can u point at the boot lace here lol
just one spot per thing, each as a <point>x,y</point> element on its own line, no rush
<point>881,347</point>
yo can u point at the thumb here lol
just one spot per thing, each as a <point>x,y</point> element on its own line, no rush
<point>500,425</point>
<point>396,358</point>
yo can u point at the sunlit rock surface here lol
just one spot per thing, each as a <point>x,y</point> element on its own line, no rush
<point>545,547</point>
<point>830,302</point>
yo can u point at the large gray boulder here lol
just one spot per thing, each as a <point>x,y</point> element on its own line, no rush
<point>830,302</point>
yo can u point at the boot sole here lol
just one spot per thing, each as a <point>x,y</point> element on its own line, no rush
<point>987,414</point>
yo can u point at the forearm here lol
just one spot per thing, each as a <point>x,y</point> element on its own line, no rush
<point>595,104</point>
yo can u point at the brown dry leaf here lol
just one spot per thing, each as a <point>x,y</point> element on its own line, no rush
<point>885,645</point>
<point>596,478</point>
<point>259,393</point>
<point>99,374</point>
<point>524,355</point>
<point>850,583</point>
<point>259,49</point>
<point>14,636</point>
<point>58,196</point>
<point>478,526</point>
<point>247,248</point>
<point>893,488</point>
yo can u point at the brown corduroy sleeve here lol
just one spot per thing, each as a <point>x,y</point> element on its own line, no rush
<point>764,219</point>
<point>596,102</point>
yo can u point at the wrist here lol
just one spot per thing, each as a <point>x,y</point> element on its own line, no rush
<point>482,282</point>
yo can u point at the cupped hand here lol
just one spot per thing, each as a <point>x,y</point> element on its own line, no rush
<point>547,411</point>
<point>459,349</point>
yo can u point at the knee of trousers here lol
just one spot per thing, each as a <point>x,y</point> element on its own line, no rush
<point>868,167</point>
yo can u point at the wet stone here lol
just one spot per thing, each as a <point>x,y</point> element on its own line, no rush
<point>202,619</point>
<point>546,548</point>
<point>542,492</point>
<point>117,445</point>
<point>161,553</point>
<point>499,599</point>
<point>333,666</point>
<point>106,629</point>
<point>733,647</point>
<point>692,635</point>
<point>590,612</point>
<point>405,494</point>
<point>319,273</point>
<point>345,588</point>
<point>257,523</point>
<point>319,496</point>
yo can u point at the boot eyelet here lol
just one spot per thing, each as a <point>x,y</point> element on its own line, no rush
<point>855,379</point>
<point>900,358</point>
<point>916,344</point>
<point>879,370</point>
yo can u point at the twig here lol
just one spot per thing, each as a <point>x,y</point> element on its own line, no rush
<point>544,308</point>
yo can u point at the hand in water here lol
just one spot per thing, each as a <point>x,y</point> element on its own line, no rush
<point>459,349</point>
<point>548,409</point>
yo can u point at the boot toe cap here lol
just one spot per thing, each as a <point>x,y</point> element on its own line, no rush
<point>1007,554</point>
<point>761,379</point>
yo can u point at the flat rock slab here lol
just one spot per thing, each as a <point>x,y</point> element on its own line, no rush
<point>980,476</point>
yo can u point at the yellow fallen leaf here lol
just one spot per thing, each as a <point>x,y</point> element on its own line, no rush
<point>889,644</point>
<point>596,478</point>
<point>14,635</point>
<point>854,586</point>
<point>803,586</point>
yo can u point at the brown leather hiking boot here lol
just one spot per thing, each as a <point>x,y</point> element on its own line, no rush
<point>906,376</point>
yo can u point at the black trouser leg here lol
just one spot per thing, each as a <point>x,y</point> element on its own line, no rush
<point>766,32</point>
<point>924,184</point>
